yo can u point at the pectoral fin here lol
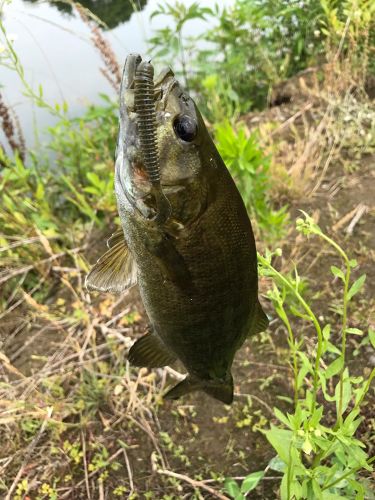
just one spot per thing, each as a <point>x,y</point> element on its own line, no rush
<point>151,352</point>
<point>116,270</point>
<point>116,237</point>
<point>171,262</point>
<point>260,320</point>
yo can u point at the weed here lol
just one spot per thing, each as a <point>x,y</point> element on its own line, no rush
<point>170,41</point>
<point>177,450</point>
<point>317,459</point>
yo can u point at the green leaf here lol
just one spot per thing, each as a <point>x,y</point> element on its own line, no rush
<point>356,286</point>
<point>316,416</point>
<point>324,387</point>
<point>346,393</point>
<point>357,486</point>
<point>333,496</point>
<point>326,332</point>
<point>285,398</point>
<point>332,348</point>
<point>251,481</point>
<point>283,418</point>
<point>305,362</point>
<point>284,488</point>
<point>338,273</point>
<point>317,490</point>
<point>354,331</point>
<point>303,371</point>
<point>281,440</point>
<point>334,368</point>
<point>371,335</point>
<point>276,464</point>
<point>361,391</point>
<point>233,489</point>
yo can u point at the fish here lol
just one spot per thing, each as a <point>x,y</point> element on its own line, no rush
<point>186,237</point>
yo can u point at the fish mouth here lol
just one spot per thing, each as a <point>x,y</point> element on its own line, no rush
<point>139,97</point>
<point>164,83</point>
<point>127,83</point>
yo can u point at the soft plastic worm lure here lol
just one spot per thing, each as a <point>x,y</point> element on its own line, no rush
<point>145,109</point>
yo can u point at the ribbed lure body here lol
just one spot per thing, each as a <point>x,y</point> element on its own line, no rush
<point>145,109</point>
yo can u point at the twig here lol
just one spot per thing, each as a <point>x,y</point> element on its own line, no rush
<point>326,165</point>
<point>27,241</point>
<point>194,483</point>
<point>341,44</point>
<point>101,489</point>
<point>129,469</point>
<point>85,466</point>
<point>29,452</point>
<point>174,373</point>
<point>291,119</point>
<point>361,210</point>
<point>25,269</point>
<point>7,461</point>
<point>350,215</point>
<point>240,395</point>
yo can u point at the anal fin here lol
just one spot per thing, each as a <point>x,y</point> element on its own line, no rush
<point>149,351</point>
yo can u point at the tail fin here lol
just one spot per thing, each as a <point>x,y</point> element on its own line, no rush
<point>221,390</point>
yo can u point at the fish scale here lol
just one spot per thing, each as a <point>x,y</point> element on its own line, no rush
<point>196,269</point>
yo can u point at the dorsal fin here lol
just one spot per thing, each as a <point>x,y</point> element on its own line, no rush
<point>116,270</point>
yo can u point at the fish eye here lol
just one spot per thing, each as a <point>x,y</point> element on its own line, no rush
<point>185,128</point>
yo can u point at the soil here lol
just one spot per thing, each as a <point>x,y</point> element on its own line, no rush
<point>212,440</point>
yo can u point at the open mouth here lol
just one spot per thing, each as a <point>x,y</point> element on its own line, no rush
<point>162,84</point>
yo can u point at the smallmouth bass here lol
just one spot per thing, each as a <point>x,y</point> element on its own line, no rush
<point>186,237</point>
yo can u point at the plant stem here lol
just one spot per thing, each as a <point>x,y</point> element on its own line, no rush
<point>343,345</point>
<point>344,324</point>
<point>183,61</point>
<point>336,481</point>
<point>289,472</point>
<point>314,320</point>
<point>18,68</point>
<point>292,345</point>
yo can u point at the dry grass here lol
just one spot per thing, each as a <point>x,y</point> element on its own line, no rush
<point>111,70</point>
<point>329,120</point>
